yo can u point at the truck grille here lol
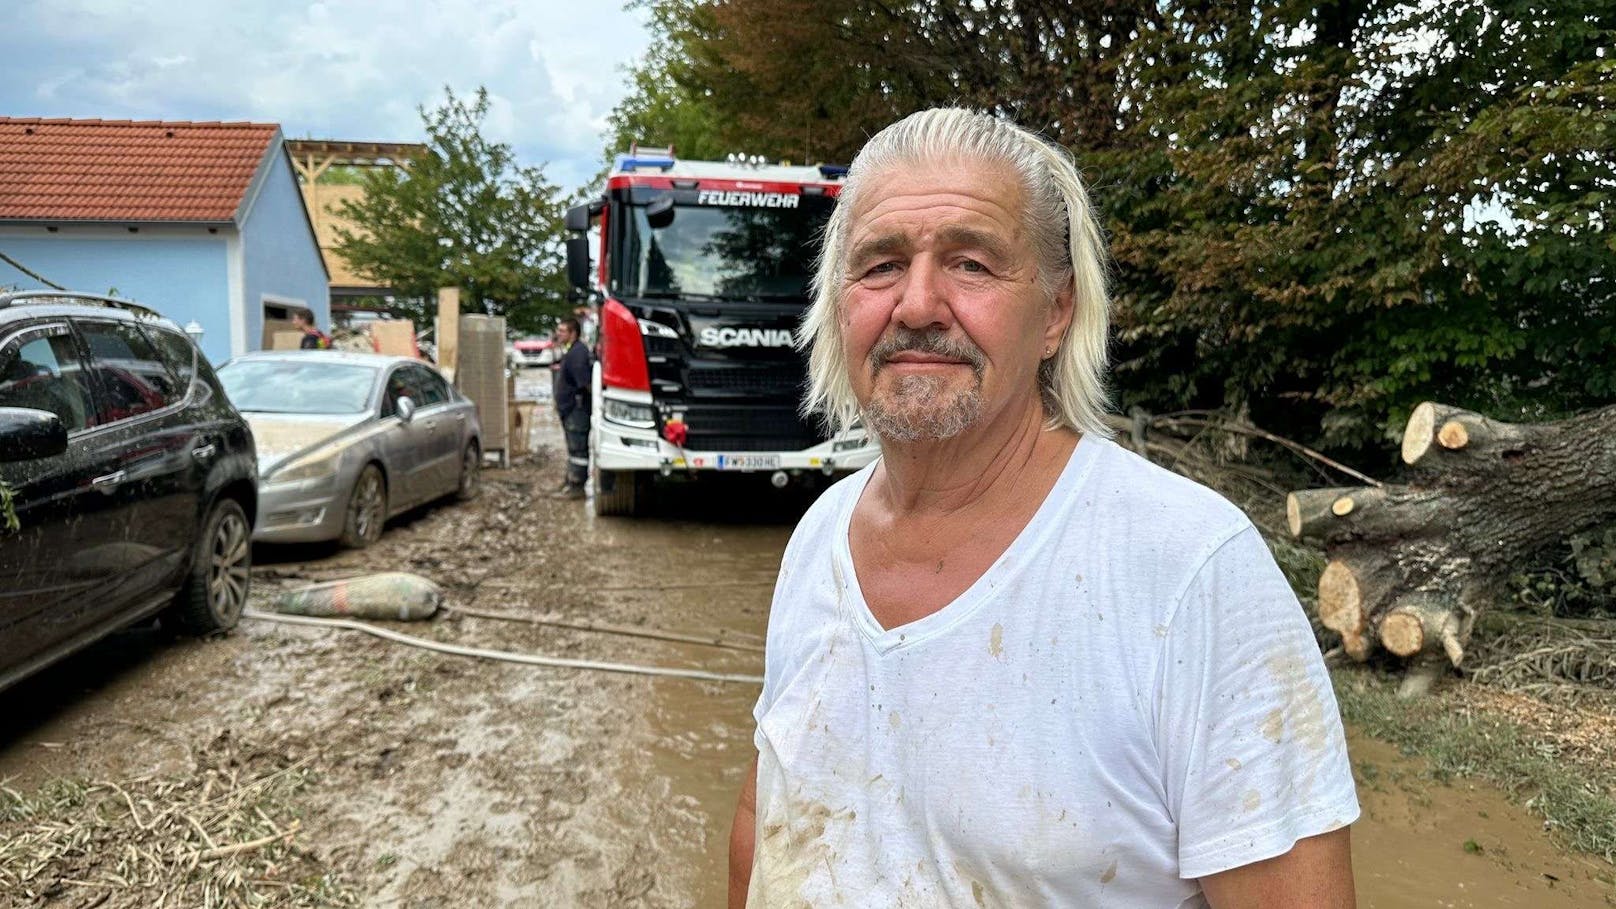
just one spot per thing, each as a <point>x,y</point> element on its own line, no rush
<point>776,428</point>
<point>756,381</point>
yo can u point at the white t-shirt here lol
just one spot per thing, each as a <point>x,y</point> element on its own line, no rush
<point>1130,698</point>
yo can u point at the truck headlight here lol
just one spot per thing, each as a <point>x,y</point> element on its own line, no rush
<point>628,413</point>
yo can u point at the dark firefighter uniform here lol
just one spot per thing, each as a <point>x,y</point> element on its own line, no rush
<point>572,405</point>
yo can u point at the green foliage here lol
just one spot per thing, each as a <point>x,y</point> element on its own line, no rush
<point>1594,555</point>
<point>660,111</point>
<point>464,214</point>
<point>1324,210</point>
<point>1577,579</point>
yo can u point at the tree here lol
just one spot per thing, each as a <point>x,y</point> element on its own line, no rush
<point>465,214</point>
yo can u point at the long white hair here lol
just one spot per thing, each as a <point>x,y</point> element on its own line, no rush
<point>1069,246</point>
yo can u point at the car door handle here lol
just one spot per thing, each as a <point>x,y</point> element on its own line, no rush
<point>204,452</point>
<point>111,479</point>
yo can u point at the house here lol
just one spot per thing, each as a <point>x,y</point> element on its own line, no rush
<point>203,222</point>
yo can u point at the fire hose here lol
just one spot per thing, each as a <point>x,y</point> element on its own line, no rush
<point>530,659</point>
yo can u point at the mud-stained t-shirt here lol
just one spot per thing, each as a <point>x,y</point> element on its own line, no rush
<point>1129,699</point>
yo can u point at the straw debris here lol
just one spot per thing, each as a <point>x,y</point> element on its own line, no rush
<point>224,835</point>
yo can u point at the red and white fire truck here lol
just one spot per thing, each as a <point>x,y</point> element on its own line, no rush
<point>702,273</point>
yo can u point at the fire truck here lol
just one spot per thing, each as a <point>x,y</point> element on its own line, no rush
<point>700,280</point>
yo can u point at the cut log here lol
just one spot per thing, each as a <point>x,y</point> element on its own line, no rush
<point>1340,599</point>
<point>1409,567</point>
<point>1418,624</point>
<point>1440,428</point>
<point>1351,513</point>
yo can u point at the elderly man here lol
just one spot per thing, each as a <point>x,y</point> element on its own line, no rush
<point>1010,663</point>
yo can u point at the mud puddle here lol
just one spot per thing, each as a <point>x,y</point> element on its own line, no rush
<point>442,781</point>
<point>1466,846</point>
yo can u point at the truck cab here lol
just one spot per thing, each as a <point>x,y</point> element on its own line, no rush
<point>701,272</point>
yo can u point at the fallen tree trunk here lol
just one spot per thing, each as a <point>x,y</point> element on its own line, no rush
<point>1409,567</point>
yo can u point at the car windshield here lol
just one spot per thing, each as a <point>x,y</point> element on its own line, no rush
<point>724,251</point>
<point>294,386</point>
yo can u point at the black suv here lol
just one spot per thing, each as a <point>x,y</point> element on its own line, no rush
<point>127,479</point>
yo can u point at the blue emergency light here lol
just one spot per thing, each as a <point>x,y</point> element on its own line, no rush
<point>627,163</point>
<point>833,171</point>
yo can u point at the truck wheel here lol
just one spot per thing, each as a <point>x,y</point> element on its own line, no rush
<point>221,571</point>
<point>620,492</point>
<point>366,511</point>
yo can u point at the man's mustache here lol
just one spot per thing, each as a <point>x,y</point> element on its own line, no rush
<point>905,340</point>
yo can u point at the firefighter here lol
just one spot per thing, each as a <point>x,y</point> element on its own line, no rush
<point>571,392</point>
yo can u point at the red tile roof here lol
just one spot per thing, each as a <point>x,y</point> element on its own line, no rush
<point>122,170</point>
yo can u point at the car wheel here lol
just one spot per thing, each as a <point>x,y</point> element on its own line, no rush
<point>367,509</point>
<point>216,586</point>
<point>471,463</point>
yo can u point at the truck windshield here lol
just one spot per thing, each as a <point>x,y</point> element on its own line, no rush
<point>714,251</point>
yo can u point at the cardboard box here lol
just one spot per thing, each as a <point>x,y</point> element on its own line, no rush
<point>395,337</point>
<point>286,340</point>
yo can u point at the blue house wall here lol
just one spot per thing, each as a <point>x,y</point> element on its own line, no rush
<point>182,272</point>
<point>281,261</point>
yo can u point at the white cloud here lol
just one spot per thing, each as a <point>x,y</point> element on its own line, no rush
<point>335,69</point>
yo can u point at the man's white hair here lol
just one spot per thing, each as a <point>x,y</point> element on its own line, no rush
<point>1058,219</point>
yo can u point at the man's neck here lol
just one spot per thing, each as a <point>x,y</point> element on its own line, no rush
<point>977,467</point>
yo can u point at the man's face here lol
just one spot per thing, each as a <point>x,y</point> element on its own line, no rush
<point>944,322</point>
<point>565,335</point>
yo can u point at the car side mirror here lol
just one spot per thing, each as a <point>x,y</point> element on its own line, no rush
<point>405,408</point>
<point>27,434</point>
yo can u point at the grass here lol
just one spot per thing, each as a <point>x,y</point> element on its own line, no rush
<point>1577,802</point>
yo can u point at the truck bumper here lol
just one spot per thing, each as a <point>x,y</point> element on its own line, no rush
<point>618,447</point>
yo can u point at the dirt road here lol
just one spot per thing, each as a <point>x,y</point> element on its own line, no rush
<point>426,780</point>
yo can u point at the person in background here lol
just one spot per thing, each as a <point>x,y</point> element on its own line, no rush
<point>587,324</point>
<point>313,337</point>
<point>1012,663</point>
<point>571,392</point>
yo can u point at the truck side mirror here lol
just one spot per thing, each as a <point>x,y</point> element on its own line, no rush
<point>577,219</point>
<point>27,434</point>
<point>578,263</point>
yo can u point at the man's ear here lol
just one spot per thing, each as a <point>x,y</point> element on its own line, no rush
<point>1060,314</point>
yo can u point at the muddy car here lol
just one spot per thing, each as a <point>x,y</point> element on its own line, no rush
<point>347,440</point>
<point>126,479</point>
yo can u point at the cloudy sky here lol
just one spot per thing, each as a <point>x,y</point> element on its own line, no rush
<point>332,69</point>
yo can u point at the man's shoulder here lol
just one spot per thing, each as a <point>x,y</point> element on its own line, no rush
<point>820,521</point>
<point>1131,491</point>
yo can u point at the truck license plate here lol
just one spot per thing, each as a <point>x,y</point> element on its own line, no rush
<point>749,462</point>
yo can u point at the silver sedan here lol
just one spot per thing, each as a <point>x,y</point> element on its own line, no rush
<point>347,440</point>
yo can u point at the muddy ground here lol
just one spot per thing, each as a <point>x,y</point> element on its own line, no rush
<point>423,780</point>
